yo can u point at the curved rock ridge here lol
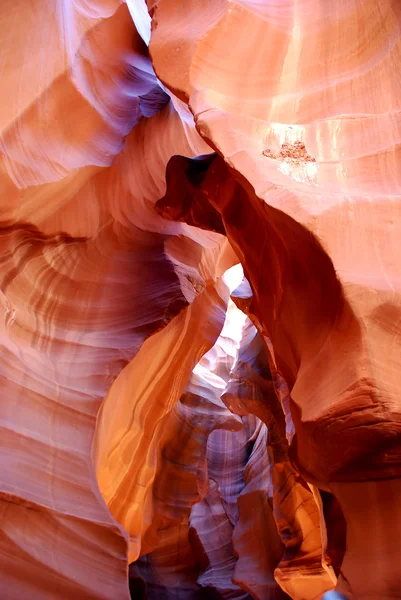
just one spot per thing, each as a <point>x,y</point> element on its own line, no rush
<point>74,315</point>
<point>131,427</point>
<point>104,85</point>
<point>171,563</point>
<point>305,336</point>
<point>292,506</point>
<point>326,230</point>
<point>309,58</point>
<point>148,448</point>
<point>88,272</point>
<point>229,515</point>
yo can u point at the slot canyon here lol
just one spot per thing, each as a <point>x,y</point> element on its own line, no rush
<point>200,294</point>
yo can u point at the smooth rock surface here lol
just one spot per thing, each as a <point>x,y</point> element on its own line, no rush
<point>142,423</point>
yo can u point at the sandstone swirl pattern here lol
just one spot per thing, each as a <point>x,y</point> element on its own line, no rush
<point>318,239</point>
<point>87,274</point>
<point>136,428</point>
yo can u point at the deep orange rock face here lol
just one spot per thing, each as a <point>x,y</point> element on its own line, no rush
<point>173,429</point>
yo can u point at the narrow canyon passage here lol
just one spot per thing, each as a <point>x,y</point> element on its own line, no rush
<point>200,299</point>
<point>227,511</point>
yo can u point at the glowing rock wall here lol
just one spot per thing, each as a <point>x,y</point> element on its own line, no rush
<point>135,430</point>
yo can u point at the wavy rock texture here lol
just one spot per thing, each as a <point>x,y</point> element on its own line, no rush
<point>135,414</point>
<point>210,494</point>
<point>295,256</point>
<point>251,390</point>
<point>231,516</point>
<point>128,434</point>
<point>88,272</point>
<point>310,190</point>
<point>173,561</point>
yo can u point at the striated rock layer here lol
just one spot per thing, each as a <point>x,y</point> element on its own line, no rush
<point>308,195</point>
<point>155,443</point>
<point>305,335</point>
<point>87,273</point>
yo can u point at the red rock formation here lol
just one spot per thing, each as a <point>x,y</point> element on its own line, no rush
<point>88,272</point>
<point>113,449</point>
<point>306,336</point>
<point>210,493</point>
<point>294,512</point>
<point>324,230</point>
